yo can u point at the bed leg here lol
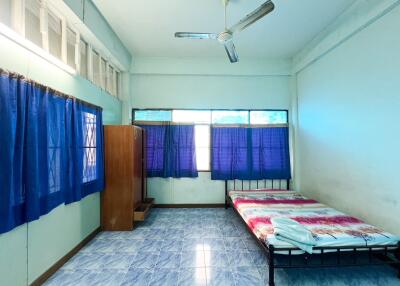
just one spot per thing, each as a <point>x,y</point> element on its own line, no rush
<point>397,254</point>
<point>226,195</point>
<point>271,266</point>
<point>226,202</point>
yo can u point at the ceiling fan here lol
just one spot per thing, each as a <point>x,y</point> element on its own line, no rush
<point>226,37</point>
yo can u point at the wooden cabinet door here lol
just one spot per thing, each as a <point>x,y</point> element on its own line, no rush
<point>117,198</point>
<point>144,165</point>
<point>137,166</point>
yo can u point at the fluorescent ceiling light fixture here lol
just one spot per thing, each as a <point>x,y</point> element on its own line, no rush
<point>17,38</point>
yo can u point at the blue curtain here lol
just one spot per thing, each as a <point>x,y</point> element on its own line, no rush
<point>155,149</point>
<point>12,123</point>
<point>170,151</point>
<point>85,145</point>
<point>230,156</point>
<point>181,152</point>
<point>270,153</point>
<point>250,153</point>
<point>43,149</point>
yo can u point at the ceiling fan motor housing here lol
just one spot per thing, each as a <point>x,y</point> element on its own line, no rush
<point>224,37</point>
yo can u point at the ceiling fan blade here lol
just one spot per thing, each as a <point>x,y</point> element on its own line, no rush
<point>231,51</point>
<point>197,36</point>
<point>254,16</point>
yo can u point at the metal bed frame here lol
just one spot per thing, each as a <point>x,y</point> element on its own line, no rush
<point>343,256</point>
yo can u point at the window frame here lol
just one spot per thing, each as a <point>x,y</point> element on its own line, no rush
<point>98,64</point>
<point>82,40</point>
<point>210,124</point>
<point>77,47</point>
<point>17,23</point>
<point>88,179</point>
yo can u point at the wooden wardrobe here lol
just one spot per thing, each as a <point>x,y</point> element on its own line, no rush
<point>125,177</point>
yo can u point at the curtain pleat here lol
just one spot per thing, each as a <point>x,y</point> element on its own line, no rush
<point>250,153</point>
<point>171,151</point>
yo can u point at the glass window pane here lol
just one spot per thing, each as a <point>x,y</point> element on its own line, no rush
<point>202,135</point>
<point>103,73</point>
<point>202,141</point>
<point>89,145</point>
<point>83,59</point>
<point>32,22</point>
<point>153,115</point>
<point>268,117</point>
<point>203,159</point>
<point>5,12</point>
<point>230,117</point>
<point>71,41</point>
<point>196,116</point>
<point>110,85</point>
<point>54,35</point>
<point>96,68</point>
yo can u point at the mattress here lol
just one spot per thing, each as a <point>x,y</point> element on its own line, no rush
<point>329,227</point>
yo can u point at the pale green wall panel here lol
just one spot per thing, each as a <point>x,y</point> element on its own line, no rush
<point>55,234</point>
<point>76,6</point>
<point>348,105</point>
<point>13,257</point>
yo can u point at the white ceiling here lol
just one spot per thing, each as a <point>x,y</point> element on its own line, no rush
<point>147,27</point>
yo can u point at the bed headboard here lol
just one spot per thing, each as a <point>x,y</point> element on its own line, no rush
<point>256,184</point>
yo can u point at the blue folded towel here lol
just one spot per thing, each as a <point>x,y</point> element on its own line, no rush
<point>291,231</point>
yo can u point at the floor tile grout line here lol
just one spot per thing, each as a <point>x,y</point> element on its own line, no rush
<point>252,252</point>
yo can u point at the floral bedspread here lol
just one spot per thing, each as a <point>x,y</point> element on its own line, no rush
<point>328,226</point>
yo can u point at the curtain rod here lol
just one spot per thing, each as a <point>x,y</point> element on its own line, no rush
<point>47,88</point>
<point>141,122</point>
<point>250,126</point>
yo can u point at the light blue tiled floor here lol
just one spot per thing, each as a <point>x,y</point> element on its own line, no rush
<point>194,247</point>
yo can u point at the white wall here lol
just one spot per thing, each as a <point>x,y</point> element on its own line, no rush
<point>348,115</point>
<point>203,91</point>
<point>165,86</point>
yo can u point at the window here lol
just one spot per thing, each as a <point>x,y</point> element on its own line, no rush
<point>89,145</point>
<point>192,116</point>
<point>103,73</point>
<point>229,117</point>
<point>268,117</point>
<point>110,80</point>
<point>202,136</point>
<point>203,119</point>
<point>96,68</point>
<point>152,115</point>
<point>32,22</point>
<point>54,34</point>
<point>71,47</point>
<point>83,48</point>
<point>44,23</point>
